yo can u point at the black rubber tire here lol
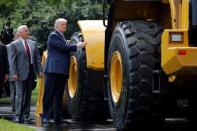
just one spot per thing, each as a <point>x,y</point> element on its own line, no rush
<point>88,103</point>
<point>192,106</point>
<point>138,42</point>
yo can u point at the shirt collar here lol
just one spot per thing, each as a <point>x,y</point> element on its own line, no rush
<point>59,33</point>
<point>23,41</point>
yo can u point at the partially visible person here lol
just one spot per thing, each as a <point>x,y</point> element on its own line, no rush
<point>12,83</point>
<point>56,70</point>
<point>7,33</point>
<point>25,66</point>
<point>16,36</point>
<point>4,67</point>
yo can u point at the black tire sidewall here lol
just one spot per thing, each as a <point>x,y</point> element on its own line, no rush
<point>137,42</point>
<point>74,102</point>
<point>118,44</point>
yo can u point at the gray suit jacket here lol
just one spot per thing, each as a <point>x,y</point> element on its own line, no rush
<point>9,61</point>
<point>19,64</point>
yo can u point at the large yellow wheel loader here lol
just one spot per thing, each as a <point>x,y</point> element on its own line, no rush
<point>144,63</point>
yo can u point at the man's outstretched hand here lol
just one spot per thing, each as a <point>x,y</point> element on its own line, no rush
<point>81,44</point>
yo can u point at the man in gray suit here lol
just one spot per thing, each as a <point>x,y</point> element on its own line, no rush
<point>25,66</point>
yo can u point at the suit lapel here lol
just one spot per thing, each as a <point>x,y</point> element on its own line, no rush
<point>31,48</point>
<point>21,47</point>
<point>62,37</point>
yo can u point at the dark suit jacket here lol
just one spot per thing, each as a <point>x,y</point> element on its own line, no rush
<point>4,66</point>
<point>58,54</point>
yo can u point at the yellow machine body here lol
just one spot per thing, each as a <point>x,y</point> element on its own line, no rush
<point>40,86</point>
<point>178,57</point>
<point>94,34</point>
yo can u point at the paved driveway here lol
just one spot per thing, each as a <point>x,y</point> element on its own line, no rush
<point>171,124</point>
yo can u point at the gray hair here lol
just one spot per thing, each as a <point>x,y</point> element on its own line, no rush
<point>58,21</point>
<point>21,28</point>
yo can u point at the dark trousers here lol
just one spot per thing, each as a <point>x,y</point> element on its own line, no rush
<point>12,93</point>
<point>1,85</point>
<point>53,92</point>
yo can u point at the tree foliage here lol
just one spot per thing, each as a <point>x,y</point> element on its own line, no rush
<point>39,15</point>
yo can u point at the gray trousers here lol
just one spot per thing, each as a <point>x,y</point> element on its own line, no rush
<point>13,85</point>
<point>23,98</point>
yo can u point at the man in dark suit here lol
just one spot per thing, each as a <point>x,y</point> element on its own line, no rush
<point>56,70</point>
<point>25,65</point>
<point>4,67</point>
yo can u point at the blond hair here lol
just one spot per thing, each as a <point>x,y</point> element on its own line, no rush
<point>58,21</point>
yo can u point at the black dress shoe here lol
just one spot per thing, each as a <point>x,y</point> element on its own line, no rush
<point>18,120</point>
<point>21,120</point>
<point>27,120</point>
<point>59,121</point>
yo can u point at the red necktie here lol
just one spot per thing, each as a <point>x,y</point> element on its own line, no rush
<point>27,50</point>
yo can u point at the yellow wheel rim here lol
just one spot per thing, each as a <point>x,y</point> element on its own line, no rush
<point>72,81</point>
<point>116,76</point>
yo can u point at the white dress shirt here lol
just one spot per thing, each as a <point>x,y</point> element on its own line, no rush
<point>23,41</point>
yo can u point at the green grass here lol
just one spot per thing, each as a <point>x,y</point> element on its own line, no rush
<point>34,97</point>
<point>5,100</point>
<point>10,126</point>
